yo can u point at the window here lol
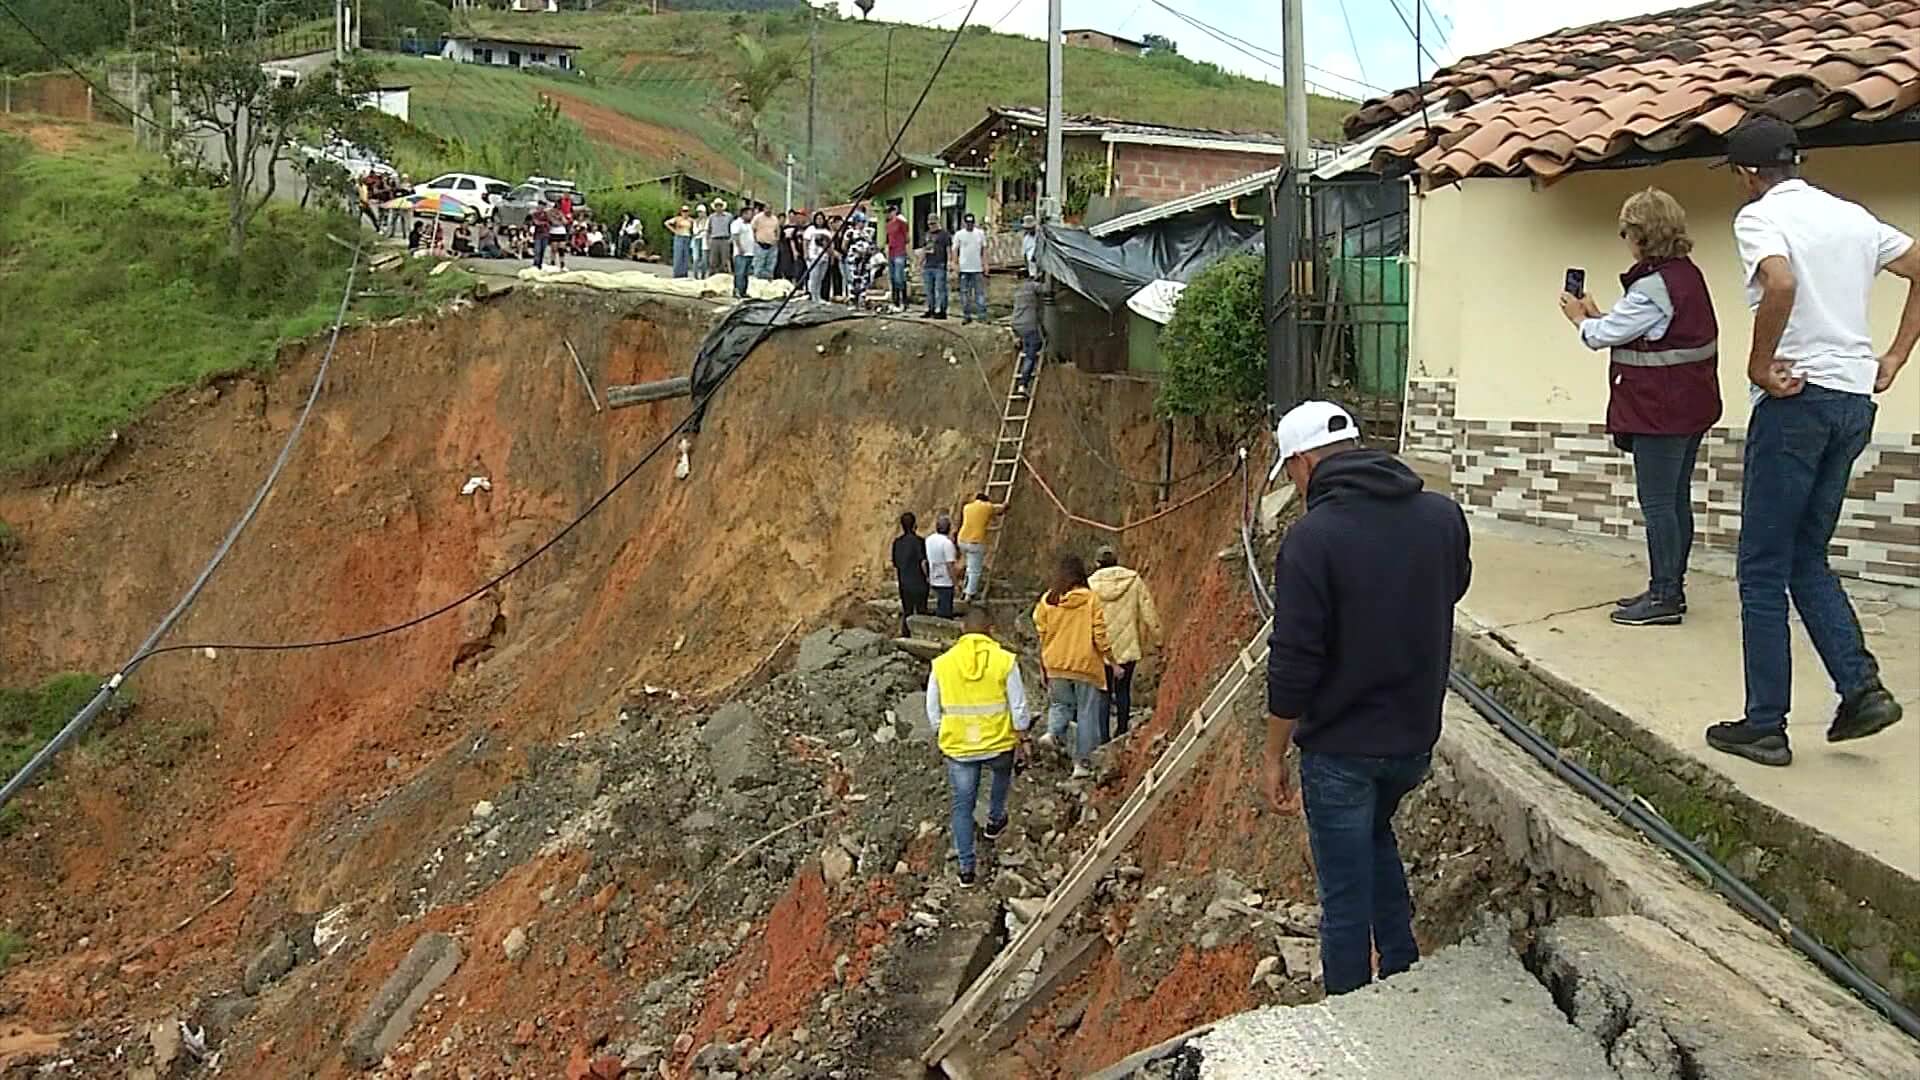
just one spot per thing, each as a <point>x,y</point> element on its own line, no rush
<point>486,56</point>
<point>441,181</point>
<point>539,58</point>
<point>498,190</point>
<point>464,184</point>
<point>563,60</point>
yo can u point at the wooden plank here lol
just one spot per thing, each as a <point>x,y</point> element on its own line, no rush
<point>1163,776</point>
<point>1067,964</point>
<point>619,397</point>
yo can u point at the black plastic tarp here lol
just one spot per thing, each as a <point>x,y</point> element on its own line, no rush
<point>1107,271</point>
<point>727,344</point>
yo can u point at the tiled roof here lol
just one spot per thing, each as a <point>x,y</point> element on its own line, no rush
<point>1654,84</point>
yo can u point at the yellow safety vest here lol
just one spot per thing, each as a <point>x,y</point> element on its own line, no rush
<point>975,719</point>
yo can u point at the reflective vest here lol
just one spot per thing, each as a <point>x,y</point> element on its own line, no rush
<point>975,719</point>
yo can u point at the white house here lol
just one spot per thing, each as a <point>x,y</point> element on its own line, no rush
<point>511,52</point>
<point>536,5</point>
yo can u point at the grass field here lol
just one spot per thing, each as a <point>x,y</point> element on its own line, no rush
<point>677,69</point>
<point>116,287</point>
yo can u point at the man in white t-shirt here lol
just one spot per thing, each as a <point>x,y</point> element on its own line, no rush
<point>745,249</point>
<point>1810,259</point>
<point>970,251</point>
<point>943,562</point>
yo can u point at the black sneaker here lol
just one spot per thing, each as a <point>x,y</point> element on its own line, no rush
<point>1865,713</point>
<point>994,830</point>
<point>967,879</point>
<point>1629,601</point>
<point>1649,612</point>
<point>1764,745</point>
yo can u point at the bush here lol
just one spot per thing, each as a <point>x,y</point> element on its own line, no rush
<point>28,718</point>
<point>1216,346</point>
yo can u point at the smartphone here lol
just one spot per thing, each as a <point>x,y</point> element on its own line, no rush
<point>1576,282</point>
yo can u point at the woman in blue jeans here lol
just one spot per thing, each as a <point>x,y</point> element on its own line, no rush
<point>1664,393</point>
<point>1075,654</point>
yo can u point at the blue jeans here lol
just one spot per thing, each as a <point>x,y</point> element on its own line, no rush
<point>937,291</point>
<point>1799,453</point>
<point>1029,356</point>
<point>1364,903</point>
<point>763,262</point>
<point>897,277</point>
<point>1663,478</point>
<point>943,601</point>
<point>682,255</point>
<point>699,255</point>
<point>742,270</point>
<point>539,249</point>
<point>973,295</point>
<point>976,556</point>
<point>1078,703</point>
<point>964,778</point>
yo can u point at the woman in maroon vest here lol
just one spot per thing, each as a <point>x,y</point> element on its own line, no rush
<point>1663,390</point>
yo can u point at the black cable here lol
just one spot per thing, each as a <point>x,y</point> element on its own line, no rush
<point>1260,54</point>
<point>1411,29</point>
<point>693,413</point>
<point>1353,39</point>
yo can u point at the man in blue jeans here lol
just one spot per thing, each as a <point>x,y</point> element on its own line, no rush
<point>1356,674</point>
<point>934,268</point>
<point>1810,260</point>
<point>977,708</point>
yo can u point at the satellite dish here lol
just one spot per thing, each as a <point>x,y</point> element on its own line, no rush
<point>865,6</point>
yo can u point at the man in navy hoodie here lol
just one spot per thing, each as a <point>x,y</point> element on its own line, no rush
<point>1362,642</point>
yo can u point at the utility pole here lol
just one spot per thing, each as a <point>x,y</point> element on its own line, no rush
<point>813,103</point>
<point>1293,44</point>
<point>133,50</point>
<point>789,183</point>
<point>1054,197</point>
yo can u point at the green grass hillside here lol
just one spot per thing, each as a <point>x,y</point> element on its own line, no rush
<point>678,70</point>
<point>116,287</point>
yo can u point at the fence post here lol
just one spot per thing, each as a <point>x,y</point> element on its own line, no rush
<point>89,103</point>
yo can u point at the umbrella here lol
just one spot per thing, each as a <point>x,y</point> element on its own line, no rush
<point>436,202</point>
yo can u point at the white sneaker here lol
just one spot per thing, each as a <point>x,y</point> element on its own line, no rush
<point>1081,772</point>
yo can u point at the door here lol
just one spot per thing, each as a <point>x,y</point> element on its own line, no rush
<point>922,213</point>
<point>513,58</point>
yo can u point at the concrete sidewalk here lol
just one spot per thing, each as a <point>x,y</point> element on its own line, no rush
<point>1546,595</point>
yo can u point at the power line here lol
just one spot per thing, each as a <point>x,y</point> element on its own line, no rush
<point>698,408</point>
<point>1415,31</point>
<point>1258,53</point>
<point>1353,40</point>
<point>98,90</point>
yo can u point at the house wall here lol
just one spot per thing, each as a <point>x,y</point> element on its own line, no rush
<point>473,51</point>
<point>1501,386</point>
<point>396,102</point>
<point>1158,173</point>
<point>1094,39</point>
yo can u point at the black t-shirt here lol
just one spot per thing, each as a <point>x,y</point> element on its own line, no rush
<point>938,245</point>
<point>909,551</point>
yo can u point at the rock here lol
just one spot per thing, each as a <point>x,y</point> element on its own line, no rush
<point>684,1043</point>
<point>515,944</point>
<point>857,640</point>
<point>738,748</point>
<point>885,733</point>
<point>1264,968</point>
<point>482,810</point>
<point>836,865</point>
<point>818,650</point>
<point>1301,957</point>
<point>588,779</point>
<point>524,1033</point>
<point>222,1014</point>
<point>697,853</point>
<point>922,919</point>
<point>800,1036</point>
<point>912,711</point>
<point>269,964</point>
<point>1210,940</point>
<point>701,821</point>
<point>1025,909</point>
<point>433,958</point>
<point>164,1037</point>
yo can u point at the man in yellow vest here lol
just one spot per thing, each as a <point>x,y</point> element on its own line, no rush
<point>976,519</point>
<point>977,709</point>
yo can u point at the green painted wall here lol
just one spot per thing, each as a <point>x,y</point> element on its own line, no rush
<point>1143,345</point>
<point>978,193</point>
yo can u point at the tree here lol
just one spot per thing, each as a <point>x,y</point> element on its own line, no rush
<point>761,74</point>
<point>237,114</point>
<point>1160,43</point>
<point>1216,346</point>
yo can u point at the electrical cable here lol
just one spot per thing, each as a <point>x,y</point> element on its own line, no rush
<point>1411,29</point>
<point>1353,39</point>
<point>695,411</point>
<point>78,725</point>
<point>1260,54</point>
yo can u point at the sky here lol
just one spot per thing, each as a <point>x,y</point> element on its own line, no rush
<point>1350,43</point>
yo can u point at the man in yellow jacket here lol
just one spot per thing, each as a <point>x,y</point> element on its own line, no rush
<point>977,709</point>
<point>1133,628</point>
<point>976,521</point>
<point>1074,652</point>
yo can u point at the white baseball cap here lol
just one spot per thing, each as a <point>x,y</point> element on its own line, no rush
<point>1311,425</point>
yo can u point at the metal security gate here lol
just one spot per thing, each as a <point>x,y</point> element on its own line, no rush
<point>1337,304</point>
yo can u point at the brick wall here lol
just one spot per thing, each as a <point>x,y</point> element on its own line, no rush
<point>1570,476</point>
<point>1159,173</point>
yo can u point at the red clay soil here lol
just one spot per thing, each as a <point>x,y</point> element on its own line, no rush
<point>162,853</point>
<point>609,127</point>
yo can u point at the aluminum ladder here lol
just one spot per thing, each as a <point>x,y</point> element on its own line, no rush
<point>1161,779</point>
<point>1009,448</point>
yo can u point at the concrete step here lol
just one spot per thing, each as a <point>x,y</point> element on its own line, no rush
<point>920,648</point>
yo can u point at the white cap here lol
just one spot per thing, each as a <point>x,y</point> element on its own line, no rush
<point>1311,425</point>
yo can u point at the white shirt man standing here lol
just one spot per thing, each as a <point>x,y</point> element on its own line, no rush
<point>943,560</point>
<point>1810,260</point>
<point>970,251</point>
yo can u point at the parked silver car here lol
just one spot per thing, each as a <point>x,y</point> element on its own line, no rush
<point>513,208</point>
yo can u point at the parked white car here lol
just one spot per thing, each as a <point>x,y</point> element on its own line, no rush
<point>482,191</point>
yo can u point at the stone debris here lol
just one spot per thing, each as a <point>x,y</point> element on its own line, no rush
<point>431,961</point>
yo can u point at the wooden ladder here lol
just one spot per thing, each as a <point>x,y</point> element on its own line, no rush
<point>1008,447</point>
<point>1162,778</point>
